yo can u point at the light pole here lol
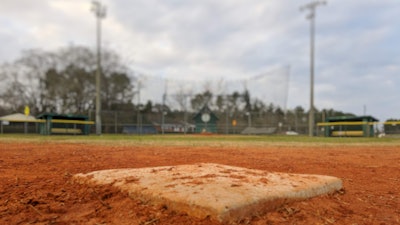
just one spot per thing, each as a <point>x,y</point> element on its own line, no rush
<point>163,113</point>
<point>100,12</point>
<point>138,115</point>
<point>311,7</point>
<point>248,114</point>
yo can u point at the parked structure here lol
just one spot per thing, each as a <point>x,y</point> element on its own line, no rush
<point>343,126</point>
<point>18,123</point>
<point>64,124</point>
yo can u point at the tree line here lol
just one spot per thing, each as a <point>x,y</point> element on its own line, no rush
<point>63,81</point>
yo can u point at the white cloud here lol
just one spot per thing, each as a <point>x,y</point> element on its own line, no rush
<point>356,59</point>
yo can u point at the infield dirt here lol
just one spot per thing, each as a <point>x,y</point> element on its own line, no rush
<point>36,185</point>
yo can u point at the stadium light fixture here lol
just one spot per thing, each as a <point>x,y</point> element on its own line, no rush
<point>100,12</point>
<point>311,16</point>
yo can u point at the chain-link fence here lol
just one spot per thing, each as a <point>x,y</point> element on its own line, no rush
<point>134,122</point>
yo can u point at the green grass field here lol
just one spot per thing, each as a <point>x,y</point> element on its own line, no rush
<point>200,139</point>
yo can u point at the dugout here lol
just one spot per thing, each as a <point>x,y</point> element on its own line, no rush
<point>349,126</point>
<point>64,124</point>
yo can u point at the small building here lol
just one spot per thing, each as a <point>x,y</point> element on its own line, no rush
<point>349,126</point>
<point>175,128</point>
<point>64,124</point>
<point>205,121</point>
<point>156,128</point>
<point>142,129</point>
<point>18,123</point>
<point>392,127</point>
<point>259,130</point>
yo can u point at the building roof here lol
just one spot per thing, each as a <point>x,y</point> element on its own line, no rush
<point>62,116</point>
<point>352,118</point>
<point>205,109</point>
<point>18,117</point>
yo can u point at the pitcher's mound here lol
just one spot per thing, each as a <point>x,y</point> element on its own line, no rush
<point>225,193</point>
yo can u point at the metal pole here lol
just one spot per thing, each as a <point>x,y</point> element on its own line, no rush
<point>163,113</point>
<point>100,13</point>
<point>311,6</point>
<point>227,121</point>
<point>98,82</point>
<point>248,119</point>
<point>227,115</point>
<point>138,116</point>
<point>115,122</point>
<point>311,114</point>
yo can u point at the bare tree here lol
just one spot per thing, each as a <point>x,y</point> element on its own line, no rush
<point>181,98</point>
<point>63,81</point>
<point>200,100</point>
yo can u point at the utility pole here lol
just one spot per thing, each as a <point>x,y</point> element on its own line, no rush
<point>139,116</point>
<point>311,7</point>
<point>100,12</point>
<point>163,112</point>
<point>164,98</point>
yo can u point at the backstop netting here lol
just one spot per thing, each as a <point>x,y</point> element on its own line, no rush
<point>250,101</point>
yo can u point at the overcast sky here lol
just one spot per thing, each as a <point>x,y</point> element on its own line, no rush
<point>357,50</point>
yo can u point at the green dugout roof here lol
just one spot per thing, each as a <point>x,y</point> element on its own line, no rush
<point>351,118</point>
<point>62,116</point>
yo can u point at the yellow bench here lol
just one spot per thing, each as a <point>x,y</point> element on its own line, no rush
<point>66,131</point>
<point>350,133</point>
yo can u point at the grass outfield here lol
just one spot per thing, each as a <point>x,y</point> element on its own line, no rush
<point>206,140</point>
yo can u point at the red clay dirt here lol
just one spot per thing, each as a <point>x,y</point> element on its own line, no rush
<point>36,185</point>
